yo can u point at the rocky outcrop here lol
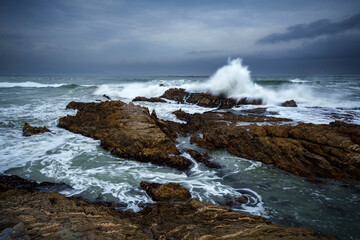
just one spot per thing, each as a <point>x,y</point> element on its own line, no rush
<point>309,150</point>
<point>206,99</point>
<point>144,99</point>
<point>166,192</point>
<point>126,130</point>
<point>289,103</point>
<point>15,182</point>
<point>50,215</point>
<point>29,130</point>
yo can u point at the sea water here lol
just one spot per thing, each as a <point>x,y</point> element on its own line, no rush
<point>328,206</point>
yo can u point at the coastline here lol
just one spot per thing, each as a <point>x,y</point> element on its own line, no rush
<point>50,215</point>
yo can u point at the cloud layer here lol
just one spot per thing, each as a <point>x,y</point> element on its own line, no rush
<point>315,29</point>
<point>170,37</point>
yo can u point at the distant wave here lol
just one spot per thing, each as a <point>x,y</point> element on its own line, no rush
<point>297,80</point>
<point>37,85</point>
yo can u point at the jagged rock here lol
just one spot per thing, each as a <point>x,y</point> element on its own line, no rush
<point>126,130</point>
<point>166,192</point>
<point>289,103</point>
<point>206,99</point>
<point>28,130</point>
<point>53,216</point>
<point>202,158</point>
<point>309,150</point>
<point>153,114</point>
<point>153,99</point>
<point>193,219</point>
<point>106,96</point>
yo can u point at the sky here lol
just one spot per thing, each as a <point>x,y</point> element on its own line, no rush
<point>168,37</point>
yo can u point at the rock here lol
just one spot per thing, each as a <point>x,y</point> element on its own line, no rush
<point>153,114</point>
<point>15,182</point>
<point>206,99</point>
<point>309,150</point>
<point>28,130</point>
<point>166,192</point>
<point>193,219</point>
<point>243,199</point>
<point>161,85</point>
<point>289,103</point>
<point>127,131</point>
<point>144,99</point>
<point>14,233</point>
<point>106,96</point>
<point>51,215</point>
<point>202,158</point>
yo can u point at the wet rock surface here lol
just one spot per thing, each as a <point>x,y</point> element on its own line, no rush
<point>166,192</point>
<point>51,215</point>
<point>127,131</point>
<point>29,130</point>
<point>309,150</point>
<point>289,103</point>
<point>206,99</point>
<point>144,99</point>
<point>202,158</point>
<point>15,182</point>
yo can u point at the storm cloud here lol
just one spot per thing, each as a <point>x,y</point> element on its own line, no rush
<point>168,37</point>
<point>312,30</point>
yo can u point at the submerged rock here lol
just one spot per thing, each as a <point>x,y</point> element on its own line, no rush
<point>309,150</point>
<point>206,99</point>
<point>166,192</point>
<point>144,99</point>
<point>29,130</point>
<point>202,158</point>
<point>289,103</point>
<point>53,216</point>
<point>127,131</point>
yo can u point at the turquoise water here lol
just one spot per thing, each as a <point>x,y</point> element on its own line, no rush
<point>327,206</point>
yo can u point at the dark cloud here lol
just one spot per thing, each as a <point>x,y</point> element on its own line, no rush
<point>313,30</point>
<point>167,37</point>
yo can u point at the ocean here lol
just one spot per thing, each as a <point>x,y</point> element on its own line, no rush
<point>328,206</point>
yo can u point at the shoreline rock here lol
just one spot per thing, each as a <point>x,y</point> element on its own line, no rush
<point>50,215</point>
<point>206,99</point>
<point>125,130</point>
<point>308,150</point>
<point>144,99</point>
<point>289,103</point>
<point>166,192</point>
<point>29,130</point>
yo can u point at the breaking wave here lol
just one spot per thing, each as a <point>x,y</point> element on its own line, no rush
<point>234,80</point>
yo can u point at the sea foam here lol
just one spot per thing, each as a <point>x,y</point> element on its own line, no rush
<point>29,85</point>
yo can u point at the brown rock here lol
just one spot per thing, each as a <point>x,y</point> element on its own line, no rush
<point>53,216</point>
<point>28,130</point>
<point>126,130</point>
<point>166,192</point>
<point>243,199</point>
<point>144,99</point>
<point>289,103</point>
<point>206,99</point>
<point>309,150</point>
<point>193,219</point>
